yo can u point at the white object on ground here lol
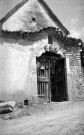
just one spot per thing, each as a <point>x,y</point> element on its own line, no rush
<point>10,103</point>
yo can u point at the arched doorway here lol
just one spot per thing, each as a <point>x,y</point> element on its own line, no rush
<point>51,77</point>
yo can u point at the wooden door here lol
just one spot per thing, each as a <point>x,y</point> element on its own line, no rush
<point>42,78</point>
<point>58,81</point>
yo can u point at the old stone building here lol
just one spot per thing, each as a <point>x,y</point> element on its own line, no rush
<point>37,58</point>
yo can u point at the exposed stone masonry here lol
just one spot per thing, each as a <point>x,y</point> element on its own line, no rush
<point>76,74</point>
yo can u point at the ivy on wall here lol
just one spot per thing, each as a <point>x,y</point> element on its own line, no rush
<point>38,35</point>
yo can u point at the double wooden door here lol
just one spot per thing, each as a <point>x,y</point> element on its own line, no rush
<point>51,79</point>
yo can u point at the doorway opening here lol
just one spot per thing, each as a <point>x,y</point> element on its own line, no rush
<point>58,81</point>
<point>51,77</point>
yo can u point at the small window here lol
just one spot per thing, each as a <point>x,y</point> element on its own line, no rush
<point>33,19</point>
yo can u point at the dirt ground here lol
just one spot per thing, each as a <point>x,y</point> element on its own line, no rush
<point>63,118</point>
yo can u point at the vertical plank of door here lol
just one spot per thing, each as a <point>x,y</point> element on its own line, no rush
<point>47,91</point>
<point>49,84</point>
<point>42,88</point>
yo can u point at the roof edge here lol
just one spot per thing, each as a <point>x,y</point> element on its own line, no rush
<point>53,16</point>
<point>11,12</point>
<point>47,10</point>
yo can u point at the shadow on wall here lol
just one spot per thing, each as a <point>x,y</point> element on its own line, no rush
<point>24,38</point>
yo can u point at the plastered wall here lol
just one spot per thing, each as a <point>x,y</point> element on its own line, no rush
<point>18,75</point>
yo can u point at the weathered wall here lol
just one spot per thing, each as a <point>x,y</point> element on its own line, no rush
<point>24,17</point>
<point>18,76</point>
<point>76,75</point>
